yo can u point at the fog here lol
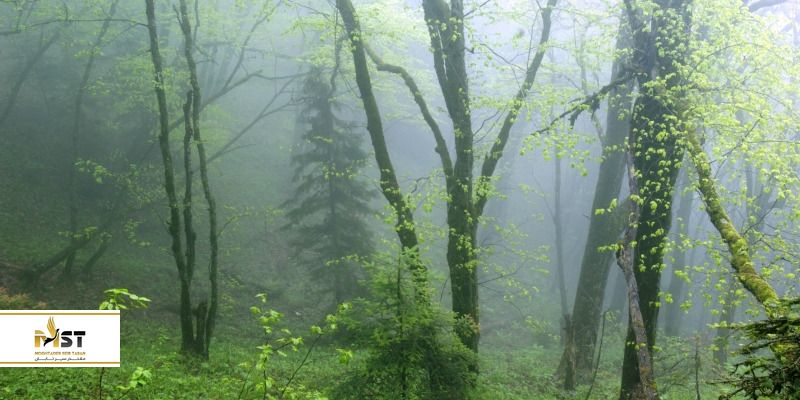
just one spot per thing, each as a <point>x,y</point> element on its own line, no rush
<point>390,199</point>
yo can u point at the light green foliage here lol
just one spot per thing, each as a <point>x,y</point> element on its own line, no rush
<point>122,299</point>
<point>412,351</point>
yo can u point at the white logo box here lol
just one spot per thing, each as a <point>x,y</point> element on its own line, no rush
<point>22,330</point>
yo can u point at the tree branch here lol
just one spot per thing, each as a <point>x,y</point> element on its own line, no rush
<point>491,159</point>
<point>441,145</point>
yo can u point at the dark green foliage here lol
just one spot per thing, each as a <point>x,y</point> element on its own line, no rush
<point>762,373</point>
<point>328,210</point>
<point>413,351</point>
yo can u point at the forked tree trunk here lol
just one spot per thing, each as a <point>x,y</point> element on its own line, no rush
<point>192,341</point>
<point>174,225</point>
<point>206,311</point>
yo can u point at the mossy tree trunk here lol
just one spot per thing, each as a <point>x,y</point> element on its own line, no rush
<point>656,126</point>
<point>741,261</point>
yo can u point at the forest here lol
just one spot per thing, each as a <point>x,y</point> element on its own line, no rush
<point>406,199</point>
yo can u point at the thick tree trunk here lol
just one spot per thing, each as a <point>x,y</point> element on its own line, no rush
<point>603,228</point>
<point>656,126</point>
<point>657,162</point>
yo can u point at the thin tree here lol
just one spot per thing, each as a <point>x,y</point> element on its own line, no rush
<point>181,219</point>
<point>467,195</point>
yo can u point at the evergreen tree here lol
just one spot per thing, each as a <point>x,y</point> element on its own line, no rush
<point>329,207</point>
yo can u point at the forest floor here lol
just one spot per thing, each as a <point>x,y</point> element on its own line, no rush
<point>511,368</point>
<point>507,372</point>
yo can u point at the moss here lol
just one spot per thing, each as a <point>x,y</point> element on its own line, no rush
<point>741,261</point>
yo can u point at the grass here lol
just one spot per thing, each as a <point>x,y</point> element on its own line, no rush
<point>506,373</point>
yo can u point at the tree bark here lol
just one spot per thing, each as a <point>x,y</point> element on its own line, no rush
<point>466,205</point>
<point>404,225</point>
<point>646,388</point>
<point>741,262</point>
<point>603,228</point>
<point>207,309</point>
<point>174,225</point>
<point>656,125</point>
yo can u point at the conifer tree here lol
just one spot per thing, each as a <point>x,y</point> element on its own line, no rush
<point>328,209</point>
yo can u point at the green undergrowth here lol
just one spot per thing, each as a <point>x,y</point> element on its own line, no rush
<point>507,373</point>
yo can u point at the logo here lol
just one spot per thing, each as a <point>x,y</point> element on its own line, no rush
<point>42,340</point>
<point>61,338</point>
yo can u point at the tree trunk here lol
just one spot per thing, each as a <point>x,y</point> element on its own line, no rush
<point>404,225</point>
<point>656,125</point>
<point>206,310</point>
<point>741,262</point>
<point>23,76</point>
<point>559,239</point>
<point>446,31</point>
<point>174,224</point>
<point>603,231</point>
<point>646,388</point>
<point>76,135</point>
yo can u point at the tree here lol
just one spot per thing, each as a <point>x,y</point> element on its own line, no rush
<point>604,227</point>
<point>657,123</point>
<point>76,144</point>
<point>331,201</point>
<point>181,228</point>
<point>467,195</point>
